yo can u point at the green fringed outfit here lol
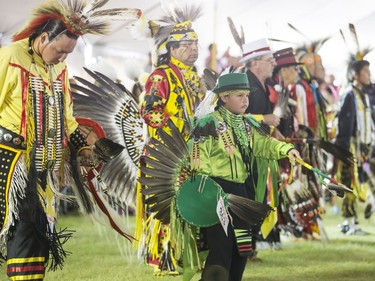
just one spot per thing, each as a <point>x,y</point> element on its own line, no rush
<point>225,148</point>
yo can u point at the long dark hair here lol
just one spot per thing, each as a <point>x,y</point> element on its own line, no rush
<point>164,58</point>
<point>54,29</point>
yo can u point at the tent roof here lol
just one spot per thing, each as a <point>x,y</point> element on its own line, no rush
<point>259,18</point>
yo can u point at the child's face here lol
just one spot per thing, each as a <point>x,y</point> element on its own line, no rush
<point>237,103</point>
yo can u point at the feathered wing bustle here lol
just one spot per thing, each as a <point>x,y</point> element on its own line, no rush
<point>166,166</point>
<point>114,109</point>
<point>251,212</point>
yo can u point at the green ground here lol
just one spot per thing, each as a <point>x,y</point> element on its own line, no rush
<point>96,257</point>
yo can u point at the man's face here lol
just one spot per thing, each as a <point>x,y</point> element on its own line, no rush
<point>364,76</point>
<point>187,52</point>
<point>265,65</point>
<point>289,75</point>
<point>57,50</point>
<point>314,65</point>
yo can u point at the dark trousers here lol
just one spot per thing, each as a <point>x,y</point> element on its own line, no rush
<point>28,244</point>
<point>27,253</point>
<point>223,262</point>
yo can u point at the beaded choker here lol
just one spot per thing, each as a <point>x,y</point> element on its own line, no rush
<point>236,123</point>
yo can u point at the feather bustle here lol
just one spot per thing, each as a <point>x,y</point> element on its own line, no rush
<point>251,212</point>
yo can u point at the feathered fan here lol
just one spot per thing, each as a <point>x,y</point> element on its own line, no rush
<point>113,107</point>
<point>168,171</point>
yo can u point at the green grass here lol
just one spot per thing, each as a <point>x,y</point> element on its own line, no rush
<point>96,257</point>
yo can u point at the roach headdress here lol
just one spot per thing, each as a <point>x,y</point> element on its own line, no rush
<point>354,56</point>
<point>79,16</point>
<point>175,26</point>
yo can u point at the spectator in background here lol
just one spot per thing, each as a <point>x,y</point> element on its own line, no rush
<point>259,63</point>
<point>219,64</point>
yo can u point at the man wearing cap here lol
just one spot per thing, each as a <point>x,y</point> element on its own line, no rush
<point>259,62</point>
<point>355,134</point>
<point>172,92</point>
<point>285,74</point>
<point>226,143</point>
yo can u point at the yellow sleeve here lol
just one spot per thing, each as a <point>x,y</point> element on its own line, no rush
<point>71,122</point>
<point>258,117</point>
<point>5,84</point>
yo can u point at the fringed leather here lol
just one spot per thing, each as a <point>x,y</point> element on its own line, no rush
<point>17,192</point>
<point>56,242</point>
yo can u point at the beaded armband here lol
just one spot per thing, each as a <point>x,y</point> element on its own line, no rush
<point>78,140</point>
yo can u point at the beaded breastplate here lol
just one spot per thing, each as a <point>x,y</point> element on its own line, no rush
<point>45,118</point>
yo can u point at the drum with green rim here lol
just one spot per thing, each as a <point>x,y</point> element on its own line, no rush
<point>196,201</point>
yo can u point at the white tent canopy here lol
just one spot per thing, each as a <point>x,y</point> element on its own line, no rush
<point>316,19</point>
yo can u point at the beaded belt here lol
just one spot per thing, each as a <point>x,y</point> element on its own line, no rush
<point>11,139</point>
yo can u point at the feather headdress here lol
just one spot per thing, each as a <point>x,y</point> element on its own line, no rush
<point>310,47</point>
<point>79,16</point>
<point>239,39</point>
<point>356,55</point>
<point>175,26</point>
<point>114,109</point>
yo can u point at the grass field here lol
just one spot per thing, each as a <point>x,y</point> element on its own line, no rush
<point>96,257</point>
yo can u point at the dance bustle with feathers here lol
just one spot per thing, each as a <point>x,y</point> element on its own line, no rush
<point>113,108</point>
<point>170,152</point>
<point>251,212</point>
